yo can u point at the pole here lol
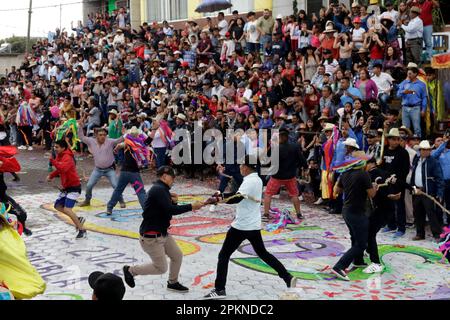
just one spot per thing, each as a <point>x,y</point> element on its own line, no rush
<point>60,17</point>
<point>27,46</point>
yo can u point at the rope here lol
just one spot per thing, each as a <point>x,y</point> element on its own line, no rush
<point>419,192</point>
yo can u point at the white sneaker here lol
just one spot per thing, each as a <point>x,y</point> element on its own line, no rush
<point>21,147</point>
<point>374,268</point>
<point>319,201</point>
<point>30,148</point>
<point>301,198</point>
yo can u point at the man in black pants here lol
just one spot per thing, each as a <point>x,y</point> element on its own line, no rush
<point>381,205</point>
<point>246,226</point>
<point>357,186</point>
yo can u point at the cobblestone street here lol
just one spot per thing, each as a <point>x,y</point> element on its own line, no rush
<point>413,270</point>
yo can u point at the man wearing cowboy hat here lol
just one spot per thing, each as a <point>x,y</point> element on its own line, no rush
<point>413,36</point>
<point>396,161</point>
<point>413,93</point>
<point>427,177</point>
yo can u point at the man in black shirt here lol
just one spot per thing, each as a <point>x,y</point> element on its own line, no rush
<point>291,159</point>
<point>159,208</point>
<point>396,161</point>
<point>356,186</point>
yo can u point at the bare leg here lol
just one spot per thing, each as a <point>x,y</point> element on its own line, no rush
<point>69,212</point>
<point>267,201</point>
<point>296,203</point>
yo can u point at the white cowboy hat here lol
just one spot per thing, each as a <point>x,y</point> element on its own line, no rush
<point>393,133</point>
<point>163,91</point>
<point>329,28</point>
<point>134,131</point>
<point>113,111</point>
<point>425,144</point>
<point>351,143</point>
<point>142,115</point>
<point>97,75</point>
<point>256,66</point>
<point>241,69</point>
<point>328,127</point>
<point>412,65</point>
<point>181,116</point>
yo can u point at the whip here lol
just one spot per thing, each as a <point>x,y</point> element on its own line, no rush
<point>419,192</point>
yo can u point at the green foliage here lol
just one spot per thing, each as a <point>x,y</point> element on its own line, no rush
<point>295,7</point>
<point>18,44</point>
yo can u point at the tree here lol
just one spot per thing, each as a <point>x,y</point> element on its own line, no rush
<point>18,44</point>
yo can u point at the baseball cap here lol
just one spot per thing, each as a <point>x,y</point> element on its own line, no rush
<point>107,286</point>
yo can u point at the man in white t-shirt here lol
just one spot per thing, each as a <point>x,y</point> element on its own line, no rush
<point>246,226</point>
<point>384,82</point>
<point>251,33</point>
<point>222,25</point>
<point>358,33</point>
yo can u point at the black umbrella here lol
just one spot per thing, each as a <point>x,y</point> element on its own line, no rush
<point>213,5</point>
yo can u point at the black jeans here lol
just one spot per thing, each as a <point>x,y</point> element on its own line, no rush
<point>397,216</point>
<point>358,225</point>
<point>26,135</point>
<point>424,207</point>
<point>232,241</point>
<point>376,222</point>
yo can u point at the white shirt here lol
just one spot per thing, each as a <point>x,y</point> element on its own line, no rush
<point>357,35</point>
<point>248,213</point>
<point>418,177</point>
<point>252,32</point>
<point>383,82</point>
<point>414,29</point>
<point>223,27</point>
<point>217,91</point>
<point>392,13</point>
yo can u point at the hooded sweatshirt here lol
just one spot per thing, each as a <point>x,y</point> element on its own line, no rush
<point>66,169</point>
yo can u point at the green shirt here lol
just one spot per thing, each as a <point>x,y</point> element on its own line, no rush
<point>266,25</point>
<point>115,129</point>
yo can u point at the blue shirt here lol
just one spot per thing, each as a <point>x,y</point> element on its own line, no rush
<point>418,98</point>
<point>443,155</point>
<point>354,92</point>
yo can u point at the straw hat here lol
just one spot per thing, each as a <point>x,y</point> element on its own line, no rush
<point>134,131</point>
<point>406,130</point>
<point>329,29</point>
<point>181,117</point>
<point>113,111</point>
<point>393,133</point>
<point>328,127</point>
<point>425,144</point>
<point>350,142</point>
<point>415,10</point>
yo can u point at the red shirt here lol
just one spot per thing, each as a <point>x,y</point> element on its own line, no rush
<point>426,12</point>
<point>65,169</point>
<point>376,52</point>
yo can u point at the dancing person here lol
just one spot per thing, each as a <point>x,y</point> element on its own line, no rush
<point>102,149</point>
<point>155,240</point>
<point>246,226</point>
<point>66,169</point>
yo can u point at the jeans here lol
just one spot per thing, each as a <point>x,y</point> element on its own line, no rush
<point>96,176</point>
<point>411,116</point>
<point>13,134</point>
<point>358,225</point>
<point>232,241</point>
<point>125,178</point>
<point>428,39</point>
<point>397,214</point>
<point>263,40</point>
<point>384,98</point>
<point>160,154</point>
<point>346,64</point>
<point>235,173</point>
<point>252,47</point>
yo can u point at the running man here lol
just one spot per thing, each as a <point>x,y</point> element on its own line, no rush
<point>66,169</point>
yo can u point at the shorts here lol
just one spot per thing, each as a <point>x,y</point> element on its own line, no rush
<point>68,198</point>
<point>274,185</point>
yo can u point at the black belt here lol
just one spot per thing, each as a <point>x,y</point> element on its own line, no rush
<point>110,167</point>
<point>411,106</point>
<point>415,39</point>
<point>152,236</point>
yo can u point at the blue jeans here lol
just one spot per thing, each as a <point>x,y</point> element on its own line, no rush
<point>383,98</point>
<point>263,40</point>
<point>125,178</point>
<point>374,62</point>
<point>346,64</point>
<point>358,225</point>
<point>411,116</point>
<point>428,39</point>
<point>96,176</point>
<point>160,154</point>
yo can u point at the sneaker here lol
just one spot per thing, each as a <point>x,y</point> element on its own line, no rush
<point>319,201</point>
<point>387,229</point>
<point>82,220</point>
<point>16,179</point>
<point>27,232</point>
<point>21,147</point>
<point>123,205</point>
<point>374,268</point>
<point>418,238</point>
<point>129,278</point>
<point>215,295</point>
<point>300,216</point>
<point>292,282</point>
<point>301,198</point>
<point>30,148</point>
<point>85,203</point>
<point>399,234</point>
<point>177,287</point>
<point>109,212</point>
<point>340,274</point>
<point>81,234</point>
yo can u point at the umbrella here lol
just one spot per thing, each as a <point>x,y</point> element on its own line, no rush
<point>213,5</point>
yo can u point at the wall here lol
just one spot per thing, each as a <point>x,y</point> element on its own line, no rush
<point>9,60</point>
<point>92,7</point>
